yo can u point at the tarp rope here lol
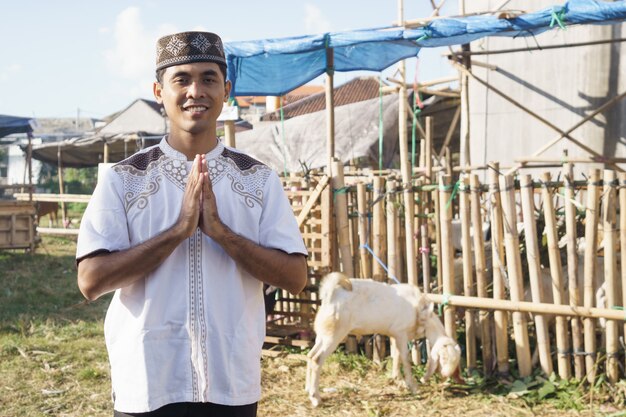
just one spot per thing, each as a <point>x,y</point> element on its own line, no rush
<point>417,109</point>
<point>558,18</point>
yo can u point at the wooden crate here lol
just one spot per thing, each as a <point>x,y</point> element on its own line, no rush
<point>17,225</point>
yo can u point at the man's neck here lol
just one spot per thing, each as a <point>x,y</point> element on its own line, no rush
<point>192,144</point>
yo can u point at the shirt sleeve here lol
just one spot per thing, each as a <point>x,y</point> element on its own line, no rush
<point>279,228</point>
<point>104,227</point>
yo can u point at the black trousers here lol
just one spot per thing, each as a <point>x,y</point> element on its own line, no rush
<point>196,410</point>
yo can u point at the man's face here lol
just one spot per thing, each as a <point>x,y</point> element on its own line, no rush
<point>193,96</point>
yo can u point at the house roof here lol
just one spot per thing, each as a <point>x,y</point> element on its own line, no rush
<point>354,91</point>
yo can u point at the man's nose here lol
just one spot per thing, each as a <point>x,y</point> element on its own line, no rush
<point>195,90</point>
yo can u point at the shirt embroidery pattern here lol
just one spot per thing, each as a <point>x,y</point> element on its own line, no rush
<point>140,180</point>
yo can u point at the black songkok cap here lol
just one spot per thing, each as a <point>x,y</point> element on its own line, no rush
<point>188,47</point>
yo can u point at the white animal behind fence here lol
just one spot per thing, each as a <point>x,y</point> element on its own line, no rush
<point>362,307</point>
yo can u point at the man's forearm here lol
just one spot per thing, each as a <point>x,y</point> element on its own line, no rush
<point>272,266</point>
<point>107,272</point>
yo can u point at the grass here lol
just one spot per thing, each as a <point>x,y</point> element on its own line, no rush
<point>53,362</point>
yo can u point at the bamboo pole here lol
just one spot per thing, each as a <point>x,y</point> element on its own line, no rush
<point>341,214</point>
<point>330,107</point>
<point>499,289</point>
<point>469,288</point>
<point>609,222</point>
<point>437,220</point>
<point>572,270</point>
<point>424,249</point>
<point>534,271</point>
<point>229,133</point>
<point>591,246</point>
<point>622,236</point>
<point>556,272</point>
<point>526,307</point>
<point>447,251</point>
<point>378,227</point>
<point>428,149</point>
<point>392,214</point>
<point>514,270</point>
<point>364,239</point>
<point>484,321</point>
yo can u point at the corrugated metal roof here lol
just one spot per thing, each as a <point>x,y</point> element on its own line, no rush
<point>356,90</point>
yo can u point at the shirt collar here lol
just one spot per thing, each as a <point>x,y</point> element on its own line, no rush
<point>173,153</point>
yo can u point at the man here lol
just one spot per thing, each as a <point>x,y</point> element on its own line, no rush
<point>186,232</point>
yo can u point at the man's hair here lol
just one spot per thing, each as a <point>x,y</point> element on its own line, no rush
<point>160,72</point>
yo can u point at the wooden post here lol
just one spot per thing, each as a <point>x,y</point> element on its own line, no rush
<point>341,214</point>
<point>330,107</point>
<point>484,321</point>
<point>229,133</point>
<point>392,219</point>
<point>447,251</point>
<point>501,318</point>
<point>364,236</point>
<point>591,246</point>
<point>534,271</point>
<point>61,185</point>
<point>609,222</point>
<point>514,270</point>
<point>327,229</point>
<point>437,220</point>
<point>556,272</point>
<point>105,157</point>
<point>428,149</point>
<point>572,270</point>
<point>468,273</point>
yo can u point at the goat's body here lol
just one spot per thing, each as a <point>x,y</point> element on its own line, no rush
<point>360,306</point>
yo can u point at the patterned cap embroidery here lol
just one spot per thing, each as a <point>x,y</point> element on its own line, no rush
<point>201,43</point>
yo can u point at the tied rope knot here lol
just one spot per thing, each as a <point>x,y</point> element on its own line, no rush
<point>444,302</point>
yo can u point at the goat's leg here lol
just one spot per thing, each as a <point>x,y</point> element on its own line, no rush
<point>395,364</point>
<point>433,362</point>
<point>401,343</point>
<point>327,345</point>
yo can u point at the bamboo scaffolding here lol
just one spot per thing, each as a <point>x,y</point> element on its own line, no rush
<point>591,246</point>
<point>534,271</point>
<point>447,251</point>
<point>572,269</point>
<point>514,270</point>
<point>609,224</point>
<point>556,272</point>
<point>364,238</point>
<point>484,319</point>
<point>469,288</point>
<point>499,288</point>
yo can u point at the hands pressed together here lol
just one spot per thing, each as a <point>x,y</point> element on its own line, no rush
<point>199,208</point>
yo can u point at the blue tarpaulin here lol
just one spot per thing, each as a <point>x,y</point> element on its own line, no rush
<point>14,124</point>
<point>277,66</point>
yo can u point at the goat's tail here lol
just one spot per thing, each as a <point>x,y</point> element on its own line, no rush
<point>331,282</point>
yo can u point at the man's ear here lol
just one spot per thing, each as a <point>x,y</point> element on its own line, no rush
<point>156,90</point>
<point>227,87</point>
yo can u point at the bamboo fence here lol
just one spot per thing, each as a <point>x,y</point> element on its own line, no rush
<point>547,278</point>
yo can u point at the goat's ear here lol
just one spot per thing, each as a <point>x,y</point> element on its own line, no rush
<point>426,308</point>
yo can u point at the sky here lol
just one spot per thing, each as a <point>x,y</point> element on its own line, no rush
<point>65,58</point>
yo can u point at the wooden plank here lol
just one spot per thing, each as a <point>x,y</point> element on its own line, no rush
<point>312,200</point>
<point>66,198</point>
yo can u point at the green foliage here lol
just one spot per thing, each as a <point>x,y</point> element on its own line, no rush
<point>75,180</point>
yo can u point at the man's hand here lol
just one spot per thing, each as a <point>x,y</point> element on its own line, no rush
<point>189,217</point>
<point>210,222</point>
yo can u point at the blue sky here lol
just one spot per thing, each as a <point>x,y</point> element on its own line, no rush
<point>98,56</point>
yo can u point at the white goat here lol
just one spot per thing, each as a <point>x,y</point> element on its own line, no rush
<point>360,307</point>
<point>445,353</point>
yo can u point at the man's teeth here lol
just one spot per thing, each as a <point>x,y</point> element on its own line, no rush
<point>196,108</point>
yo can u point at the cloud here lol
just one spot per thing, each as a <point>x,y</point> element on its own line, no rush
<point>314,20</point>
<point>7,71</point>
<point>134,52</point>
